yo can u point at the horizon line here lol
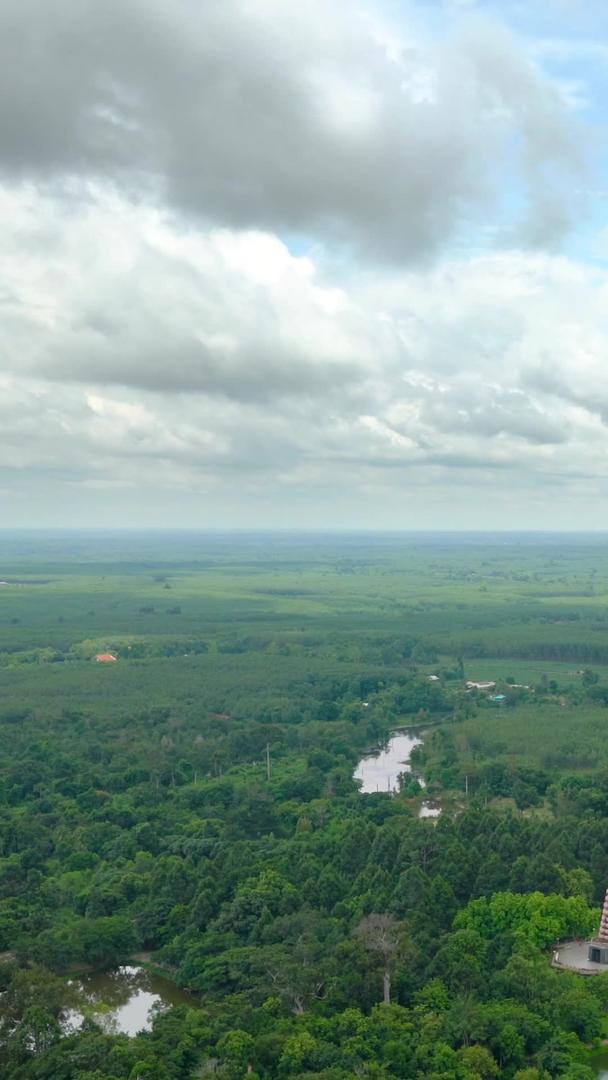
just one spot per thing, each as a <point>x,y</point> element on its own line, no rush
<point>333,530</point>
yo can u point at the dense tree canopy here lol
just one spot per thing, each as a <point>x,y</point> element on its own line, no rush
<point>200,811</point>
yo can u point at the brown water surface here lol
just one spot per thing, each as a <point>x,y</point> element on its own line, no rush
<point>124,1000</point>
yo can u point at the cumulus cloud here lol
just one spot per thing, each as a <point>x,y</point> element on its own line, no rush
<point>283,116</point>
<point>269,262</point>
<point>171,360</point>
<point>113,294</point>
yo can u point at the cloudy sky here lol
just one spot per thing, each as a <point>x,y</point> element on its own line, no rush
<point>321,264</point>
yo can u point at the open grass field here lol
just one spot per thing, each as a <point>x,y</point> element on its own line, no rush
<point>194,616</point>
<point>546,736</point>
<point>248,625</point>
<point>454,590</point>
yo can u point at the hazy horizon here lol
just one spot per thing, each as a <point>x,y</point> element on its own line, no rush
<point>287,531</point>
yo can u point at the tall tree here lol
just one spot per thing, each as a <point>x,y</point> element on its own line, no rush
<point>381,934</point>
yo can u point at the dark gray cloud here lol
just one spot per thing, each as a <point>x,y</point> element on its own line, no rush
<point>162,344</point>
<point>301,118</point>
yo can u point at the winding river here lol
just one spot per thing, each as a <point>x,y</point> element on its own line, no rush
<point>380,771</point>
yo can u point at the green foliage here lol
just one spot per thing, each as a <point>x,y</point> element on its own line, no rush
<point>136,809</point>
<point>533,918</point>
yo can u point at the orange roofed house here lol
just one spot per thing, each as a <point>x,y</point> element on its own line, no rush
<point>105,658</point>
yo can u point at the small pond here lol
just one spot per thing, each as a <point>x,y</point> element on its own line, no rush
<point>599,1064</point>
<point>380,771</point>
<point>123,1000</point>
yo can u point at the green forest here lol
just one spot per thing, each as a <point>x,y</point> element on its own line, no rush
<point>188,807</point>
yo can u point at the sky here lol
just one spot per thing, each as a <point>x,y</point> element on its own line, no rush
<point>273,264</point>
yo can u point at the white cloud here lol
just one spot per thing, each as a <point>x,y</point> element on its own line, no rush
<point>183,362</point>
<point>250,268</point>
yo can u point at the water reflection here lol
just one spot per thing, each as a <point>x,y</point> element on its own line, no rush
<point>599,1064</point>
<point>380,771</point>
<point>124,1000</point>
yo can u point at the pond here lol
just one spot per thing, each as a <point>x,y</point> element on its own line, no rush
<point>380,771</point>
<point>123,1000</point>
<point>599,1064</point>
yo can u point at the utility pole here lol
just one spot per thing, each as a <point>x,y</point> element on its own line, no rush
<point>268,762</point>
<point>466,786</point>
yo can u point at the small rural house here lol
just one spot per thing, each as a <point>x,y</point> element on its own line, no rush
<point>105,658</point>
